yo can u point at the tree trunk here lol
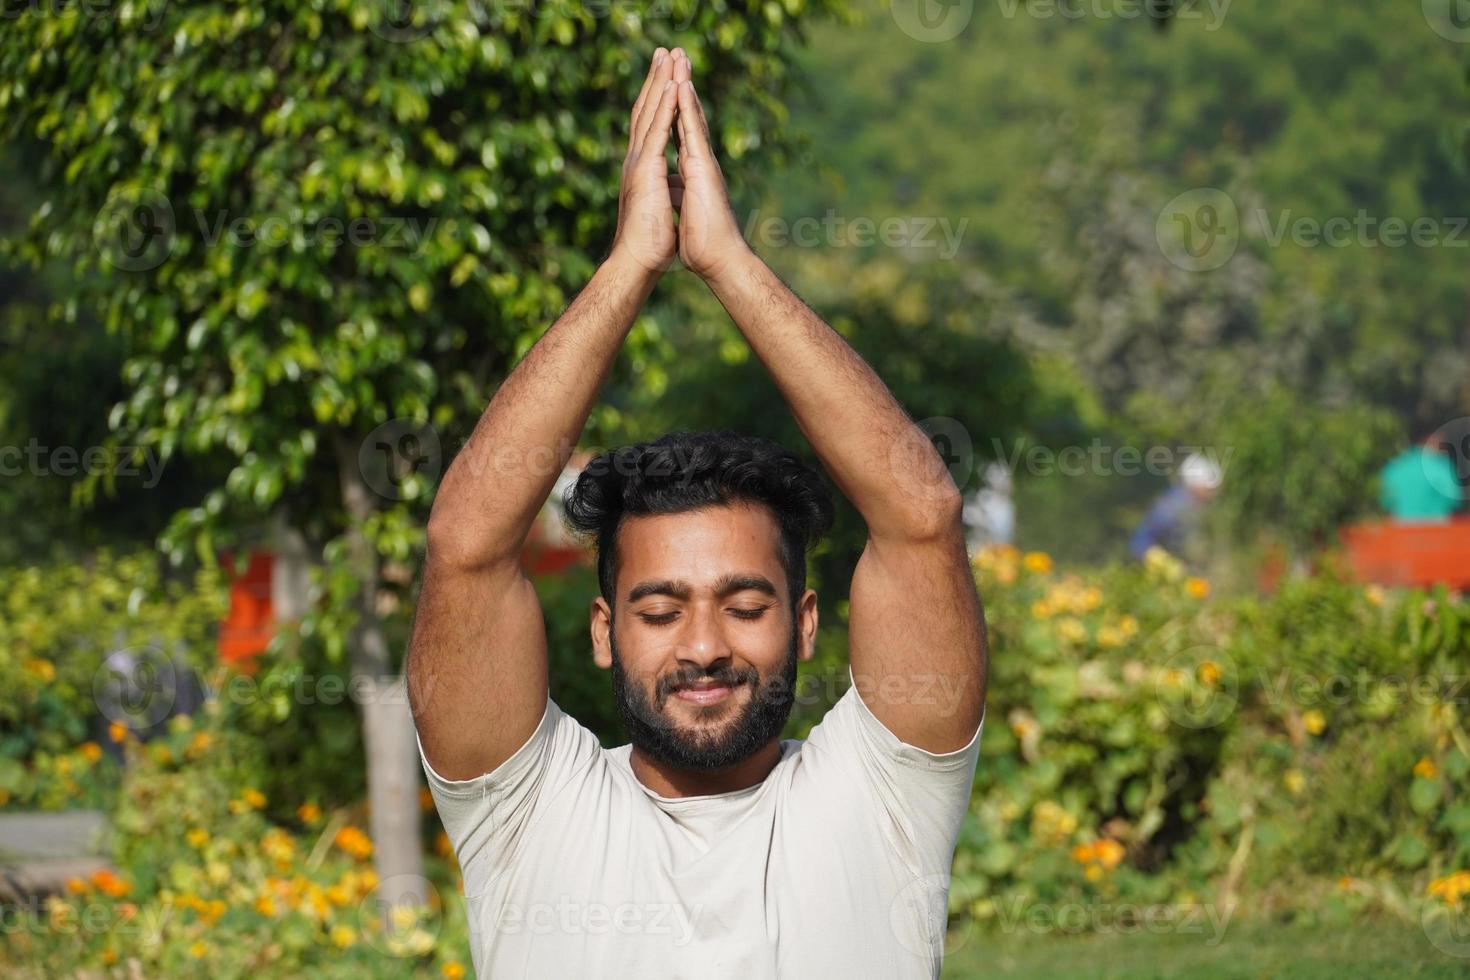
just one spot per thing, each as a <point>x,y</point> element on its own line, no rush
<point>393,768</point>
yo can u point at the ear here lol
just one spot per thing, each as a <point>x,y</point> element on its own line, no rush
<point>806,616</point>
<point>600,616</point>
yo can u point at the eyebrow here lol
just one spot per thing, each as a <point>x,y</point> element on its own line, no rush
<point>725,585</point>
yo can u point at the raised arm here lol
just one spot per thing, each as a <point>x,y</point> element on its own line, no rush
<point>916,630</point>
<point>476,668</point>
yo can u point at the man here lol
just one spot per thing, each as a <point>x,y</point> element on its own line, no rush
<point>707,847</point>
<point>1421,484</point>
<point>1175,514</point>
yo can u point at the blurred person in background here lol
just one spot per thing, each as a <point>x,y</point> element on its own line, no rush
<point>989,512</point>
<point>1421,484</point>
<point>1175,515</point>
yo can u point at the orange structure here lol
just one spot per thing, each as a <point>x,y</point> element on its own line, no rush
<point>248,626</point>
<point>1395,553</point>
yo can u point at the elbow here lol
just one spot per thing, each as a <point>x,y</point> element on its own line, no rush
<point>451,541</point>
<point>937,518</point>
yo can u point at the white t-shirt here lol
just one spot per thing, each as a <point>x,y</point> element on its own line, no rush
<point>836,865</point>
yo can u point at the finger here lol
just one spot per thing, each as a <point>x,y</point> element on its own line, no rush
<point>681,65</point>
<point>693,137</point>
<point>660,122</point>
<point>649,82</point>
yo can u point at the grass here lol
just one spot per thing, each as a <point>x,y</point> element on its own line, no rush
<point>1255,951</point>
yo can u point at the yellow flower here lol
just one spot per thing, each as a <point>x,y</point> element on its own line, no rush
<point>76,886</point>
<point>309,813</point>
<point>197,837</point>
<point>1451,887</point>
<point>92,752</point>
<point>1374,594</point>
<point>1197,587</point>
<point>426,799</point>
<point>442,846</point>
<point>1425,768</point>
<point>254,798</point>
<point>1070,628</point>
<point>1209,673</point>
<point>1295,782</point>
<point>343,936</point>
<point>1041,609</point>
<point>1037,562</point>
<point>1314,721</point>
<point>452,971</point>
<point>266,906</point>
<point>45,670</point>
<point>117,731</point>
<point>1109,637</point>
<point>1129,625</point>
<point>198,949</point>
<point>1093,872</point>
<point>199,743</point>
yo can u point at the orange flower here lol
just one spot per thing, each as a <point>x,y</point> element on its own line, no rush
<point>92,752</point>
<point>1197,587</point>
<point>1425,768</point>
<point>110,884</point>
<point>354,842</point>
<point>1109,853</point>
<point>426,799</point>
<point>309,813</point>
<point>117,731</point>
<point>254,798</point>
<point>1209,673</point>
<point>1038,562</point>
<point>452,971</point>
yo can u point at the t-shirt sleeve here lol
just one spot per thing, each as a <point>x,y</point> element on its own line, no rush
<point>486,816</point>
<point>921,795</point>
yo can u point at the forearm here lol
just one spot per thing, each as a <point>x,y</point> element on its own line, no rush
<point>879,458</point>
<point>492,492</point>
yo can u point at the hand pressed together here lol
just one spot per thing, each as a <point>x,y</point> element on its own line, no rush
<point>706,237</point>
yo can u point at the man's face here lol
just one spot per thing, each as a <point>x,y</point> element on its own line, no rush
<point>703,643</point>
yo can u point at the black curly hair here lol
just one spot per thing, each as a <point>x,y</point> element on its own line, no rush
<point>684,471</point>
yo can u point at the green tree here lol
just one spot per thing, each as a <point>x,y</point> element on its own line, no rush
<point>309,221</point>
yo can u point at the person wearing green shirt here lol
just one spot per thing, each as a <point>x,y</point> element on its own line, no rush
<point>1421,484</point>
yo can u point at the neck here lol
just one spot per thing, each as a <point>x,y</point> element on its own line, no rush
<point>672,782</point>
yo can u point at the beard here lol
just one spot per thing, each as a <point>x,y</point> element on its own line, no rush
<point>759,721</point>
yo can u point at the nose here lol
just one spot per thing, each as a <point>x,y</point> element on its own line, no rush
<point>703,643</point>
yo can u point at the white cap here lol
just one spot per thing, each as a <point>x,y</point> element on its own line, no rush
<point>1201,473</point>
